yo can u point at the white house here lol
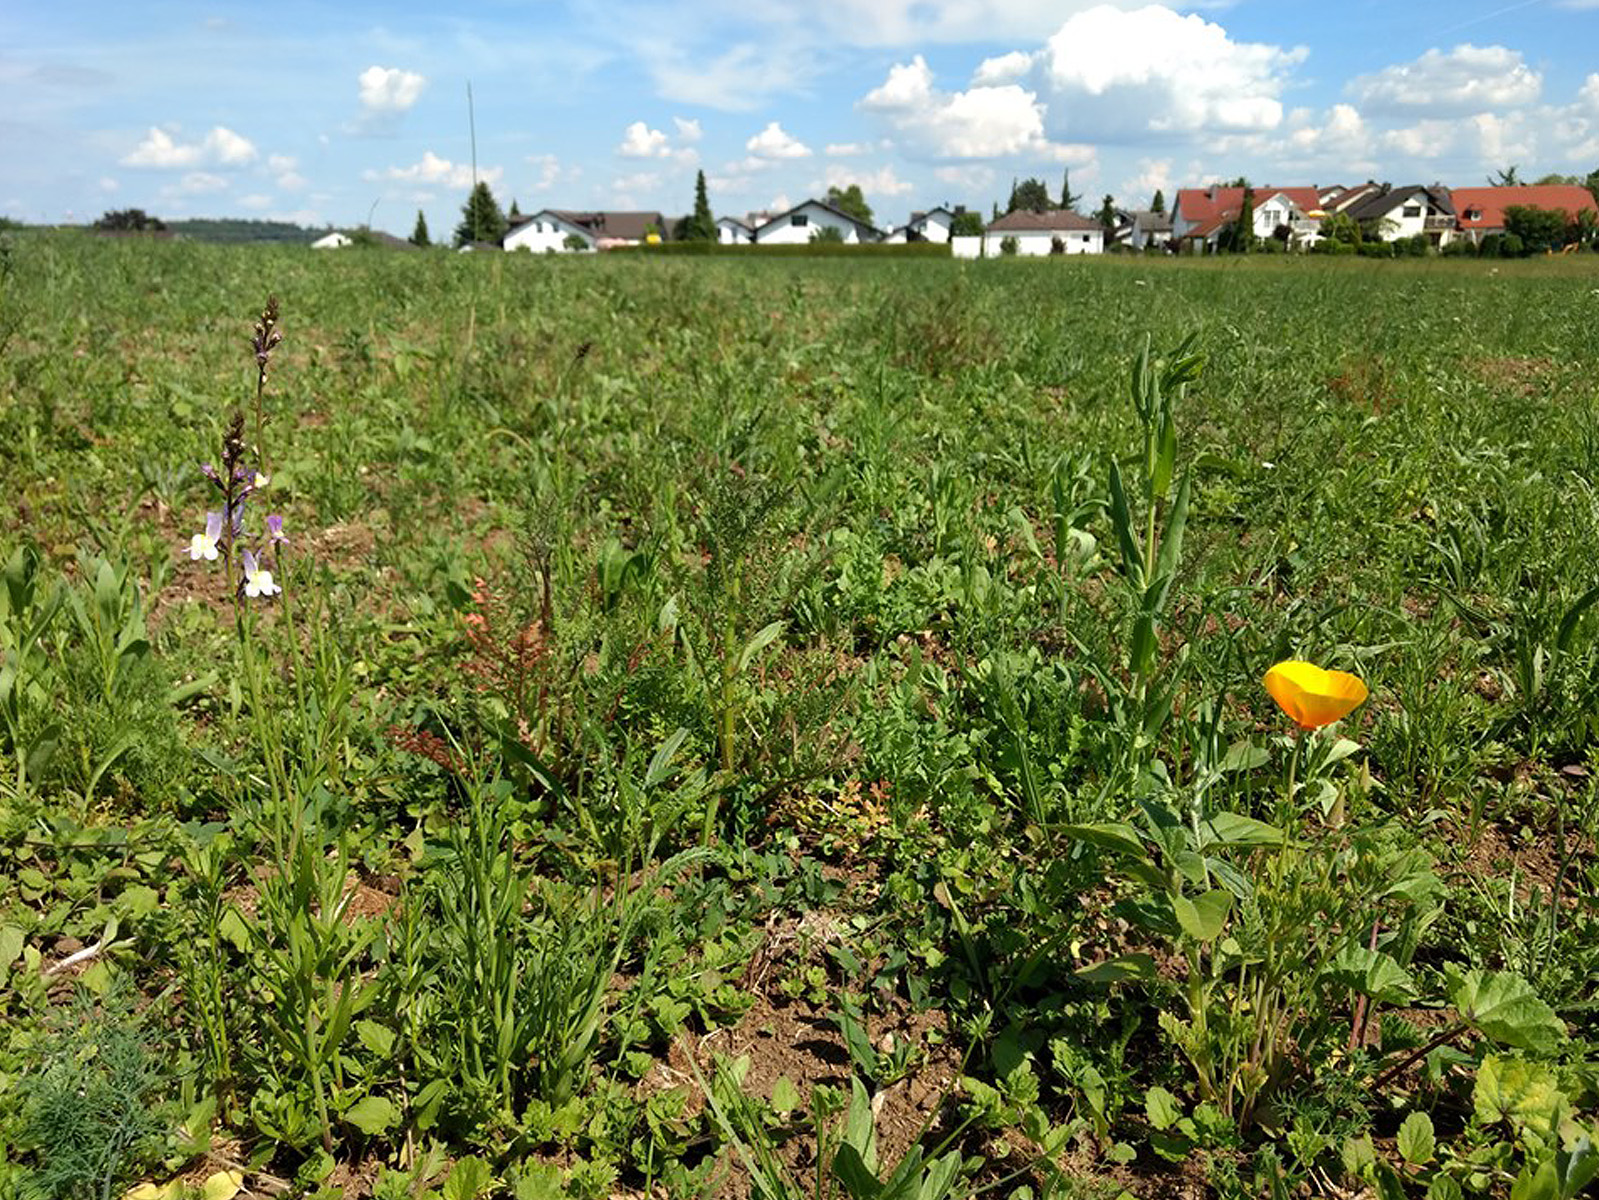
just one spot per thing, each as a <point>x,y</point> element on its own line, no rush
<point>801,223</point>
<point>1393,213</point>
<point>333,240</point>
<point>731,231</point>
<point>1148,228</point>
<point>549,229</point>
<point>1055,231</point>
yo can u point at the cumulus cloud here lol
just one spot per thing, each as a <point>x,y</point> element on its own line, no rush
<point>981,122</point>
<point>640,141</point>
<point>774,143</point>
<point>688,131</point>
<point>196,183</point>
<point>1006,68</point>
<point>220,147</point>
<point>971,176</point>
<point>1130,74</point>
<point>551,172</point>
<point>1153,175</point>
<point>389,91</point>
<point>256,202</point>
<point>435,171</point>
<point>881,182</point>
<point>846,149</point>
<point>1467,79</point>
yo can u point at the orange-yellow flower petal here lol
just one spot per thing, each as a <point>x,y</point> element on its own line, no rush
<point>1312,696</point>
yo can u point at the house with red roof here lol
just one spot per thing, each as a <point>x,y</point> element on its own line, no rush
<point>1480,211</point>
<point>1202,215</point>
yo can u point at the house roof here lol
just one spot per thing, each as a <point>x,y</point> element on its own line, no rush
<point>628,226</point>
<point>1154,222</point>
<point>739,221</point>
<point>1214,223</point>
<point>1490,202</point>
<point>1380,204</point>
<point>1053,220</point>
<point>1201,204</point>
<point>822,204</point>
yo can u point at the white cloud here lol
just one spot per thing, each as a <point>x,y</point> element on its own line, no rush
<point>740,78</point>
<point>919,22</point>
<point>389,91</point>
<point>1467,79</point>
<point>688,131</point>
<point>219,147</point>
<point>881,182</point>
<point>973,176</point>
<point>981,122</point>
<point>551,172</point>
<point>640,141</point>
<point>107,184</point>
<point>1154,175</point>
<point>282,162</point>
<point>1006,68</point>
<point>1128,75</point>
<point>435,170</point>
<point>291,181</point>
<point>196,183</point>
<point>773,143</point>
<point>255,202</point>
<point>847,149</point>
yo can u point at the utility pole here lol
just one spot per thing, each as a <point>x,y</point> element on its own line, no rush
<point>471,122</point>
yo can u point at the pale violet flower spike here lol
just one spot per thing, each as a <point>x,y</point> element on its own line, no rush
<point>257,580</point>
<point>274,524</point>
<point>205,545</point>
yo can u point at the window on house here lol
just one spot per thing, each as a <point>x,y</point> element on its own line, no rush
<point>1412,210</point>
<point>799,219</point>
<point>1474,214</point>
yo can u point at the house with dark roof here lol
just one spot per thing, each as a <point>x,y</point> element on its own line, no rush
<point>1480,211</point>
<point>802,222</point>
<point>930,226</point>
<point>1053,231</point>
<point>1389,213</point>
<point>732,231</point>
<point>549,228</point>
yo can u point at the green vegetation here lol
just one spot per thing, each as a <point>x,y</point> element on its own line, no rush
<point>795,728</point>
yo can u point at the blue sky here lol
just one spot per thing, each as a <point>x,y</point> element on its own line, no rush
<point>324,114</point>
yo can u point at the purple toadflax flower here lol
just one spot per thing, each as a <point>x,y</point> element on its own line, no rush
<point>257,579</point>
<point>207,545</point>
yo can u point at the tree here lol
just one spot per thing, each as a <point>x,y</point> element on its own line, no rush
<point>1592,184</point>
<point>700,226</point>
<point>850,200</point>
<point>419,235</point>
<point>967,224</point>
<point>827,235</point>
<point>1540,229</point>
<point>1505,178</point>
<point>516,213</point>
<point>1068,198</point>
<point>130,220</point>
<point>1341,227</point>
<point>481,218</point>
<point>573,241</point>
<point>1158,204</point>
<point>1242,238</point>
<point>1030,195</point>
<point>1107,215</point>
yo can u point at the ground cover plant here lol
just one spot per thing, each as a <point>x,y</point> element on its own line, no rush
<point>495,726</point>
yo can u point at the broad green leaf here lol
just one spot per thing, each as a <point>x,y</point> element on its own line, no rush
<point>1443,1187</point>
<point>1171,545</point>
<point>785,1096</point>
<point>1372,973</point>
<point>468,1179</point>
<point>1507,1089</point>
<point>1109,835</point>
<point>1505,1008</point>
<point>376,1038</point>
<point>661,763</point>
<point>223,1185</point>
<point>1161,1107</point>
<point>372,1115</point>
<point>1537,1182</point>
<point>11,940</point>
<point>1114,970</point>
<point>1359,1155</point>
<point>1232,829</point>
<point>939,1181</point>
<point>1416,1140</point>
<point>759,642</point>
<point>1202,918</point>
<point>850,1169</point>
<point>1121,519</point>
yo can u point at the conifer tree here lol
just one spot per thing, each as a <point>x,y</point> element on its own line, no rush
<point>419,235</point>
<point>481,218</point>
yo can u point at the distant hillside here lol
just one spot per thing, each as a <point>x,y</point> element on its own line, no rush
<point>229,229</point>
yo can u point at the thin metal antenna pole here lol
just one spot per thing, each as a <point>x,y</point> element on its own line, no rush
<point>471,121</point>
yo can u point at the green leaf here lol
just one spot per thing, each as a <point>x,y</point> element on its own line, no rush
<point>1372,973</point>
<point>1507,1089</point>
<point>785,1096</point>
<point>1416,1140</point>
<point>1171,542</point>
<point>1114,970</point>
<point>1109,835</point>
<point>759,642</point>
<point>1202,918</point>
<point>1231,829</point>
<point>1443,1187</point>
<point>138,900</point>
<point>1161,1107</point>
<point>376,1038</point>
<point>1359,1155</point>
<point>372,1115</point>
<point>468,1179</point>
<point>1568,623</point>
<point>1126,537</point>
<point>11,940</point>
<point>850,1169</point>
<point>661,763</point>
<point>1504,1007</point>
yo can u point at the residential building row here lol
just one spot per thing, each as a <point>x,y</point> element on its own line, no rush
<point>1200,220</point>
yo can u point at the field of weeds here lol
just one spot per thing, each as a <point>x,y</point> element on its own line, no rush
<point>492,726</point>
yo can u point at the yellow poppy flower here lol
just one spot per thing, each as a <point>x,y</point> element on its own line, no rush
<point>1314,697</point>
